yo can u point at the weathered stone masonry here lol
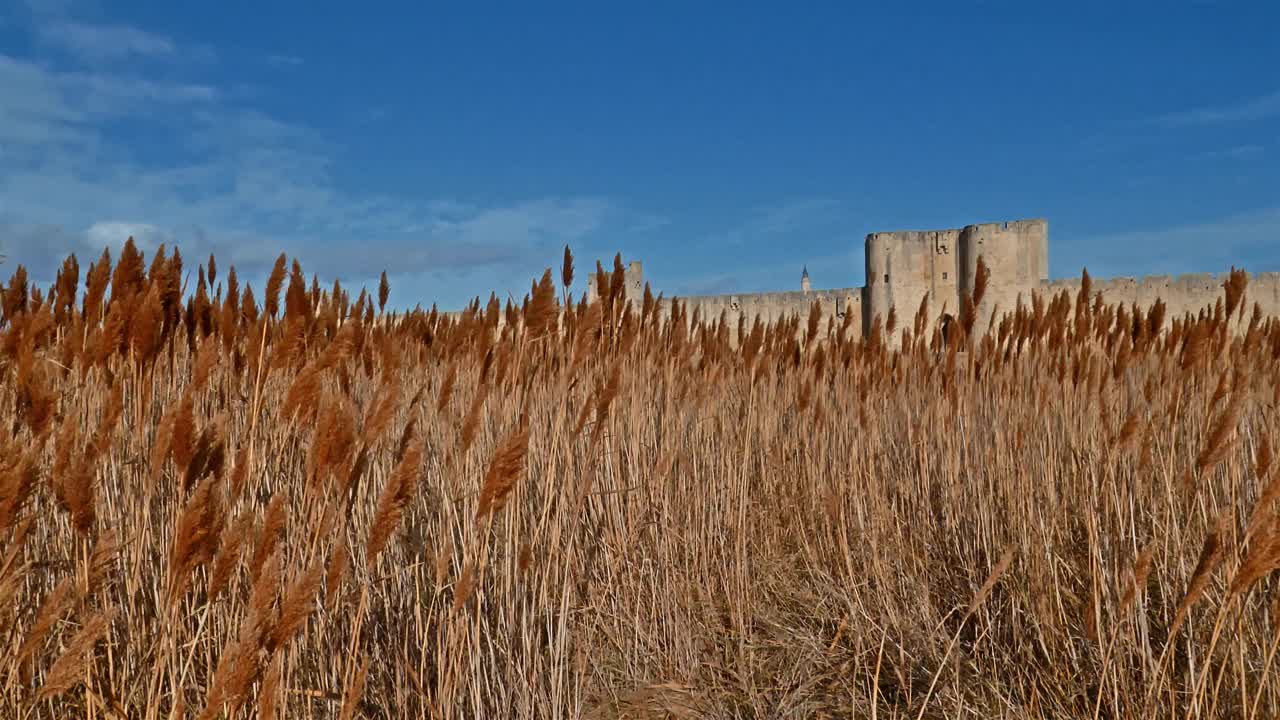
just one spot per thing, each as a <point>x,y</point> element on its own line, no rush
<point>902,267</point>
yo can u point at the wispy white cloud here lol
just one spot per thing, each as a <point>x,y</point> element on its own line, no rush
<point>50,117</point>
<point>1248,110</point>
<point>104,42</point>
<point>237,181</point>
<point>113,234</point>
<point>783,219</point>
<point>74,29</point>
<point>1250,240</point>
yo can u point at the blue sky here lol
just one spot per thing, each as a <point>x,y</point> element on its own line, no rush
<point>725,145</point>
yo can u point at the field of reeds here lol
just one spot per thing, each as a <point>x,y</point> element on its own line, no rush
<point>216,502</point>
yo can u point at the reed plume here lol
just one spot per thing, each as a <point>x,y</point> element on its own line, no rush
<point>101,563</point>
<point>471,423</point>
<point>296,606</point>
<point>269,695</point>
<point>105,433</point>
<point>1218,441</point>
<point>297,302</point>
<point>466,586</point>
<point>230,547</point>
<point>77,494</point>
<point>1136,583</point>
<point>129,278</point>
<point>355,691</point>
<point>69,668</point>
<point>195,541</point>
<point>393,500</point>
<point>17,481</point>
<point>13,301</point>
<point>96,287</point>
<point>566,269</point>
<point>1233,290</point>
<point>1210,557</point>
<point>55,605</point>
<point>446,388</point>
<point>542,315</point>
<point>604,397</point>
<point>504,471</point>
<point>275,281</point>
<point>336,573</point>
<point>380,413</point>
<point>269,535</point>
<point>1262,558</point>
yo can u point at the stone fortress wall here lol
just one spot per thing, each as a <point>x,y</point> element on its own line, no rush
<point>902,267</point>
<point>1181,294</point>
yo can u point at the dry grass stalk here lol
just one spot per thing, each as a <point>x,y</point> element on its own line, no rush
<point>17,482</point>
<point>766,481</point>
<point>1136,583</point>
<point>354,693</point>
<point>51,610</point>
<point>69,668</point>
<point>336,573</point>
<point>465,587</point>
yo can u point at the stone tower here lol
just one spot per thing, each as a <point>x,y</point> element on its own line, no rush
<point>1017,257</point>
<point>804,281</point>
<point>904,267</point>
<point>632,285</point>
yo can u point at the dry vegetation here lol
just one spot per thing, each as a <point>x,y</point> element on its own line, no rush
<point>313,508</point>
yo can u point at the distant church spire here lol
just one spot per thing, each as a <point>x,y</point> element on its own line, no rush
<point>804,279</point>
